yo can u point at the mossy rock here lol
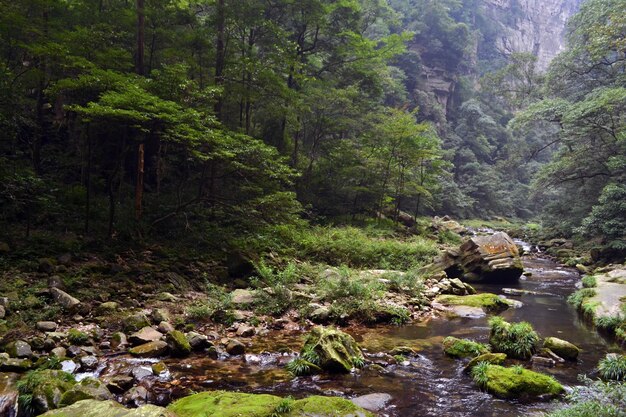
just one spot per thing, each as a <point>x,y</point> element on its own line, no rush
<point>136,322</point>
<point>490,358</point>
<point>94,408</point>
<point>515,382</point>
<point>561,347</point>
<point>179,345</point>
<point>517,340</point>
<point>463,348</point>
<point>45,388</point>
<point>87,389</point>
<point>331,350</point>
<point>487,301</point>
<point>236,404</point>
<point>150,350</point>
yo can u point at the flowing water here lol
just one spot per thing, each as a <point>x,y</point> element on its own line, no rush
<point>429,384</point>
<point>8,395</point>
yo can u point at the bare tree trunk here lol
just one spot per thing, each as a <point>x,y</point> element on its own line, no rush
<point>139,185</point>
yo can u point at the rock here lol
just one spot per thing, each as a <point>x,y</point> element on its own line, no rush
<point>140,373</point>
<point>320,315</point>
<point>56,281</point>
<point>119,384</point>
<point>89,362</point>
<point>87,389</point>
<point>160,314</point>
<point>463,348</point>
<point>372,402</point>
<point>220,403</point>
<point>492,258</point>
<point>46,265</point>
<point>179,345</point>
<point>69,366</point>
<point>107,308</point>
<point>159,369</point>
<point>94,408</point>
<point>563,348</point>
<point>74,351</point>
<point>335,350</point>
<point>489,302</point>
<point>245,331</point>
<point>448,225</point>
<point>165,327</point>
<point>15,365</point>
<point>58,352</point>
<point>517,340</point>
<point>547,353</point>
<point>540,361</point>
<point>135,322</point>
<point>166,296</point>
<point>46,326</point>
<point>402,351</point>
<point>47,388</point>
<point>149,350</point>
<point>64,299</point>
<point>516,382</point>
<point>3,312</point>
<point>118,340</point>
<point>239,297</point>
<point>65,259</point>
<point>491,358</point>
<point>582,269</point>
<point>19,349</point>
<point>235,347</point>
<point>145,335</point>
<point>198,341</point>
<point>136,396</point>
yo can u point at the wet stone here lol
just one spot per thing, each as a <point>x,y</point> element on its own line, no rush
<point>141,372</point>
<point>372,402</point>
<point>89,362</point>
<point>46,326</point>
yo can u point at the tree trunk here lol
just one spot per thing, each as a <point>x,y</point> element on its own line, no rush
<point>141,28</point>
<point>220,54</point>
<point>88,184</point>
<point>139,184</point>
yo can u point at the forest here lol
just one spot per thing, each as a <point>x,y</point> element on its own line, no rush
<point>209,171</point>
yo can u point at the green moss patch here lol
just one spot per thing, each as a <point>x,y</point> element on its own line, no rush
<point>514,382</point>
<point>489,302</point>
<point>463,348</point>
<point>517,340</point>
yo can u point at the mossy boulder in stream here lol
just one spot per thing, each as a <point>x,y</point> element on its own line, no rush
<point>332,350</point>
<point>563,348</point>
<point>490,358</point>
<point>178,343</point>
<point>514,382</point>
<point>236,404</point>
<point>517,340</point>
<point>463,348</point>
<point>487,301</point>
<point>94,408</point>
<point>42,390</point>
<point>87,389</point>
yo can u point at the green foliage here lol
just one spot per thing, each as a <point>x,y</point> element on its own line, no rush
<point>284,407</point>
<point>595,398</point>
<point>517,340</point>
<point>589,281</point>
<point>578,298</point>
<point>76,337</point>
<point>479,374</point>
<point>217,306</point>
<point>463,348</point>
<point>613,367</point>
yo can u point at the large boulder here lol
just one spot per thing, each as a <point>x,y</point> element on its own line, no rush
<point>45,388</point>
<point>150,350</point>
<point>563,348</point>
<point>332,350</point>
<point>515,382</point>
<point>94,408</point>
<point>87,389</point>
<point>64,299</point>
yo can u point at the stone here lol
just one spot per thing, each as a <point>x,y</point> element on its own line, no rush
<point>160,314</point>
<point>140,373</point>
<point>47,388</point>
<point>165,327</point>
<point>89,362</point>
<point>547,353</point>
<point>119,384</point>
<point>320,315</point>
<point>149,350</point>
<point>402,351</point>
<point>240,296</point>
<point>94,408</point>
<point>245,331</point>
<point>489,302</point>
<point>372,402</point>
<point>64,299</point>
<point>106,308</point>
<point>540,361</point>
<point>235,347</point>
<point>335,350</point>
<point>15,365</point>
<point>135,322</point>
<point>46,326</point>
<point>159,369</point>
<point>166,296</point>
<point>58,352</point>
<point>3,312</point>
<point>46,265</point>
<point>118,340</point>
<point>463,348</point>
<point>87,389</point>
<point>516,382</point>
<point>491,358</point>
<point>179,345</point>
<point>56,281</point>
<point>19,349</point>
<point>145,335</point>
<point>74,351</point>
<point>65,259</point>
<point>582,269</point>
<point>136,396</point>
<point>198,341</point>
<point>69,366</point>
<point>561,347</point>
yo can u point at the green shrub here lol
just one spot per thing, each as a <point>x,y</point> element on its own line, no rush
<point>463,348</point>
<point>594,399</point>
<point>609,323</point>
<point>284,407</point>
<point>589,281</point>
<point>613,367</point>
<point>517,340</point>
<point>216,307</point>
<point>578,298</point>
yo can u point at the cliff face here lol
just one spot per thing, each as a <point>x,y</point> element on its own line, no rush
<point>536,26</point>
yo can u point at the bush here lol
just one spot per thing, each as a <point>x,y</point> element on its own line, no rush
<point>580,301</point>
<point>613,367</point>
<point>589,281</point>
<point>594,399</point>
<point>517,340</point>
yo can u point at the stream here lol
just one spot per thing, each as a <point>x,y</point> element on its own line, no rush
<point>426,384</point>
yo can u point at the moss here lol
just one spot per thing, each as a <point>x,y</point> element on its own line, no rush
<point>87,389</point>
<point>93,408</point>
<point>563,348</point>
<point>41,390</point>
<point>235,404</point>
<point>490,358</point>
<point>578,298</point>
<point>151,349</point>
<point>179,345</point>
<point>515,382</point>
<point>517,340</point>
<point>463,348</point>
<point>331,350</point>
<point>589,281</point>
<point>77,337</point>
<point>489,302</point>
